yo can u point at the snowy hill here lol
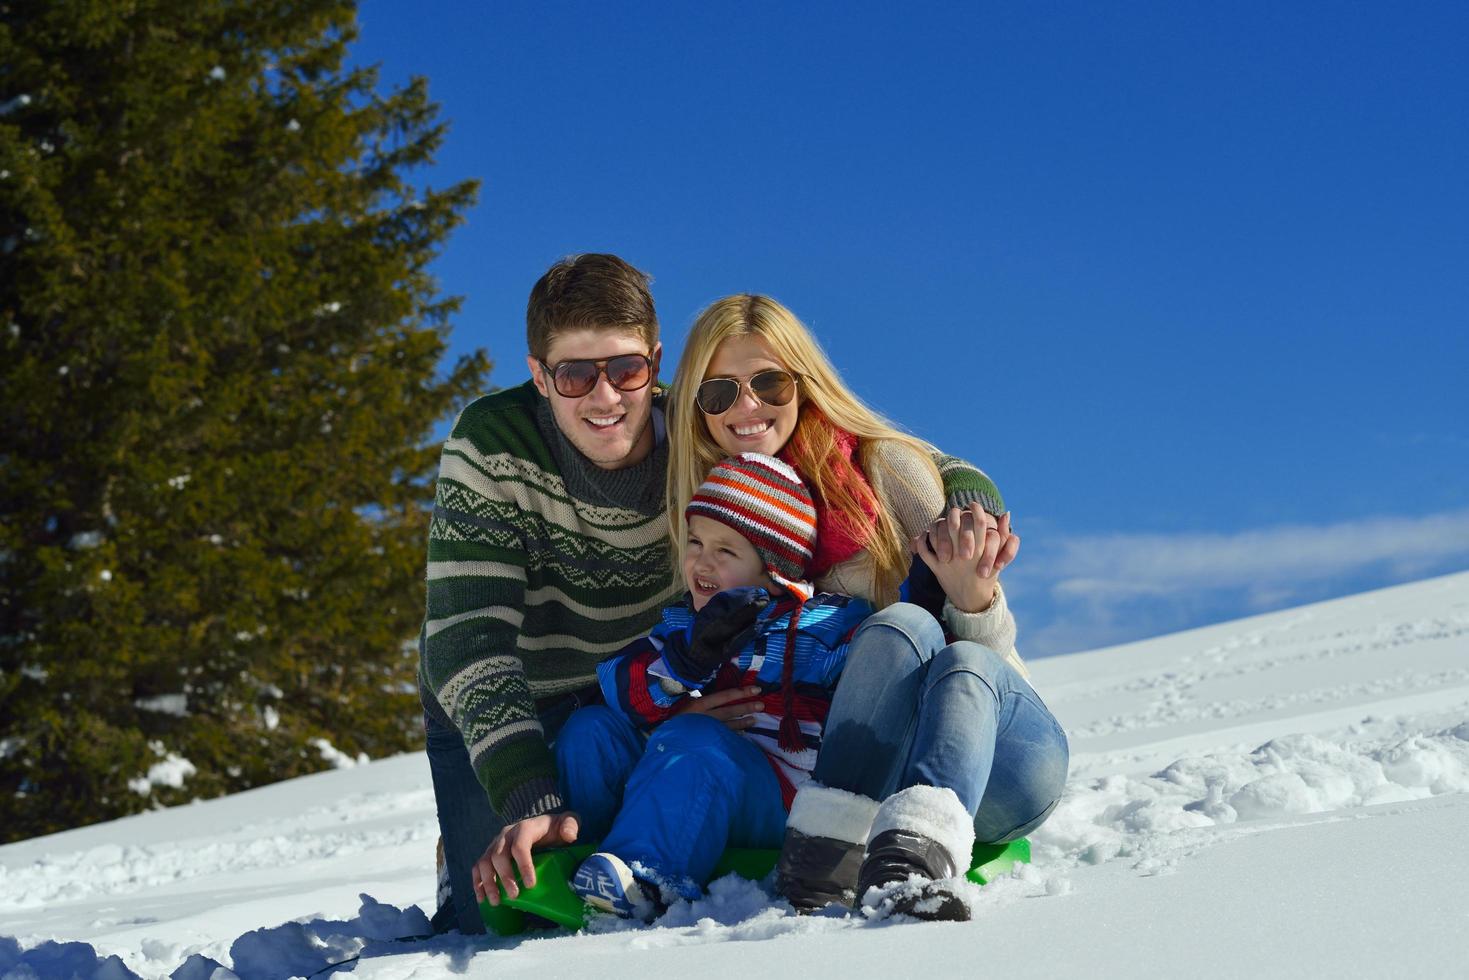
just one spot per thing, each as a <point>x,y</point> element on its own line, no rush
<point>1284,795</point>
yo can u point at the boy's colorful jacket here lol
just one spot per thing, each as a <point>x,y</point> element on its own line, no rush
<point>637,682</point>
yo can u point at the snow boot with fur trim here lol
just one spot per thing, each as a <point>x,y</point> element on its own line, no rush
<point>825,838</point>
<point>917,854</point>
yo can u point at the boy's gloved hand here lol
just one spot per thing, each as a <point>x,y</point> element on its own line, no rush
<point>720,629</point>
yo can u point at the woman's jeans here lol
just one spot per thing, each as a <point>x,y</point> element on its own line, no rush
<point>912,709</point>
<point>467,822</point>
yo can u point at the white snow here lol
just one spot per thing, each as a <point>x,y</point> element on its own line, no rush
<point>171,770</point>
<point>176,704</point>
<point>1285,795</point>
<point>332,754</point>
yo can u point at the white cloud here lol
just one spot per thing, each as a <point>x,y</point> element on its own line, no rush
<point>1090,591</point>
<point>1266,561</point>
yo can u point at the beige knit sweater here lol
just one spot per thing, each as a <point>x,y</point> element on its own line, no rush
<point>914,501</point>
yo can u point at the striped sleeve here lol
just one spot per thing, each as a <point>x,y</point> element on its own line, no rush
<point>632,691</point>
<point>476,606</point>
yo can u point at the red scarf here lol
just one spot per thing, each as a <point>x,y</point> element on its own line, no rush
<point>839,536</point>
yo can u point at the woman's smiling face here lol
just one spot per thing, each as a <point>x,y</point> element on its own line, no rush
<point>750,425</point>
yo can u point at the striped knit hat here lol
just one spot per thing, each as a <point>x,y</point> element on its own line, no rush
<point>763,499</point>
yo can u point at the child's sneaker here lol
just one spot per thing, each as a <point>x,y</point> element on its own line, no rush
<point>605,882</point>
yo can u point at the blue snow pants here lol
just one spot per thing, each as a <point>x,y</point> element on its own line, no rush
<point>668,807</point>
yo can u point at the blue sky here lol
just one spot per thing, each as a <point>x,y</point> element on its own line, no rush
<point>1191,281</point>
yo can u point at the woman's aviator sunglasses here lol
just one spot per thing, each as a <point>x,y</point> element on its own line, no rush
<point>718,395</point>
<point>625,372</point>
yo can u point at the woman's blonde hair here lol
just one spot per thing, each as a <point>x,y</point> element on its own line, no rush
<point>812,448</point>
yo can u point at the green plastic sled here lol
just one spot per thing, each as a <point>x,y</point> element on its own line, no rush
<point>553,899</point>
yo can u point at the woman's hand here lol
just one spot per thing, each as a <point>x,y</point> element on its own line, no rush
<point>953,536</point>
<point>733,706</point>
<point>965,560</point>
<point>511,849</point>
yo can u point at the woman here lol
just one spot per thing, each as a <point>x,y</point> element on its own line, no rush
<point>949,736</point>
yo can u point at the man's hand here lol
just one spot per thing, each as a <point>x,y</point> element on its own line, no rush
<point>511,849</point>
<point>733,707</point>
<point>966,560</point>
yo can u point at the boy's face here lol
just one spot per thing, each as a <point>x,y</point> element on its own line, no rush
<point>717,557</point>
<point>611,428</point>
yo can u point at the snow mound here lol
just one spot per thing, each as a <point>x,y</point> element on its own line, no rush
<point>1292,775</point>
<point>51,959</point>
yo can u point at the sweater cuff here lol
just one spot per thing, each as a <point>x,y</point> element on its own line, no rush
<point>962,497</point>
<point>988,627</point>
<point>531,799</point>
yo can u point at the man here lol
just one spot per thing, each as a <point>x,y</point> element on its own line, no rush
<point>548,551</point>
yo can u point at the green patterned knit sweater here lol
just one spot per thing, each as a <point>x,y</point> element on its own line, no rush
<point>540,564</point>
<point>965,483</point>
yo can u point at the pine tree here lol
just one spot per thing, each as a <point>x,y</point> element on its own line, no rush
<point>220,357</point>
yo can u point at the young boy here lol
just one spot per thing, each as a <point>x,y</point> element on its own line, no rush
<point>666,810</point>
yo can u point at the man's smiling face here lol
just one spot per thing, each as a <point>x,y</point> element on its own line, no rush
<point>611,428</point>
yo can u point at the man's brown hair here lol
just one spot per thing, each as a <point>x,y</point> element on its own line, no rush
<point>591,290</point>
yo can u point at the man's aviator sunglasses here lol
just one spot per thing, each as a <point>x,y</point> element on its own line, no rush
<point>625,372</point>
<point>718,395</point>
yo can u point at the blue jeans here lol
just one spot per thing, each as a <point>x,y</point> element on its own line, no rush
<point>467,822</point>
<point>674,805</point>
<point>911,709</point>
